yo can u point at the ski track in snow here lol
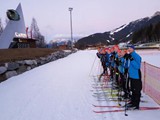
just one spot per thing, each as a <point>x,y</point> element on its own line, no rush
<point>61,90</point>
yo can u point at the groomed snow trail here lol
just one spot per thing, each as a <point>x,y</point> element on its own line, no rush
<point>60,90</point>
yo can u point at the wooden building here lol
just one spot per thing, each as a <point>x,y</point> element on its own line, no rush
<point>20,42</point>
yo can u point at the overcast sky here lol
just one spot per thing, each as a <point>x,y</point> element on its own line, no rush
<point>89,16</point>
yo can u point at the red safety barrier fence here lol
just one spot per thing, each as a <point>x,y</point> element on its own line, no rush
<point>151,81</point>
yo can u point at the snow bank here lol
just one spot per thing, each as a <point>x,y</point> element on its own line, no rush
<point>150,56</point>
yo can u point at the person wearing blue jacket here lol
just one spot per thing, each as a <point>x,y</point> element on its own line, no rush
<point>121,67</point>
<point>107,60</point>
<point>127,81</point>
<point>101,54</point>
<point>116,50</point>
<point>134,75</point>
<point>112,63</point>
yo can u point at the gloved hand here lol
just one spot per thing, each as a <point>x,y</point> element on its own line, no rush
<point>126,71</point>
<point>116,61</point>
<point>120,62</point>
<point>112,57</point>
<point>126,56</point>
<point>130,57</point>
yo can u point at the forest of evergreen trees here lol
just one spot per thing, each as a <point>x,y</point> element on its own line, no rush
<point>147,34</point>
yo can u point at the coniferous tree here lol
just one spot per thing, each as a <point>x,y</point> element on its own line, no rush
<point>36,33</point>
<point>150,33</point>
<point>157,32</point>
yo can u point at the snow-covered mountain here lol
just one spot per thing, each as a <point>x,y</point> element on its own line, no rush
<point>61,39</point>
<point>121,34</point>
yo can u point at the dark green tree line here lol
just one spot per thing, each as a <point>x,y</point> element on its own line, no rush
<point>150,33</point>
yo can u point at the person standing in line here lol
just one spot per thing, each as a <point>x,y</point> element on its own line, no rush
<point>135,77</point>
<point>127,81</point>
<point>116,49</point>
<point>107,61</point>
<point>121,68</point>
<point>112,63</point>
<point>101,54</point>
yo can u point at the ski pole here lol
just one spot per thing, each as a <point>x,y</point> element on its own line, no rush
<point>119,94</point>
<point>92,65</point>
<point>112,81</point>
<point>127,78</point>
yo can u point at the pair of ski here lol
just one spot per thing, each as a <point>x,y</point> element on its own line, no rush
<point>120,110</point>
<point>100,87</point>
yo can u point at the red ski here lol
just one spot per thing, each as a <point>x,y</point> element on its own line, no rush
<point>116,106</point>
<point>122,110</point>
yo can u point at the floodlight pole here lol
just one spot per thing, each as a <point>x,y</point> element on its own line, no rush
<point>70,9</point>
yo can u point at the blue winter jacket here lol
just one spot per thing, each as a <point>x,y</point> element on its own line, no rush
<point>126,63</point>
<point>107,59</point>
<point>121,66</point>
<point>116,57</point>
<point>134,66</point>
<point>111,59</point>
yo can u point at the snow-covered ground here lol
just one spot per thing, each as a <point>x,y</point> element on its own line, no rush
<point>62,90</point>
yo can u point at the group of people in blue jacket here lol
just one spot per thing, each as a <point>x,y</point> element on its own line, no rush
<point>123,67</point>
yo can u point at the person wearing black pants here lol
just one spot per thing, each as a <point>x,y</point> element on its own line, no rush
<point>134,74</point>
<point>121,68</point>
<point>101,54</point>
<point>136,87</point>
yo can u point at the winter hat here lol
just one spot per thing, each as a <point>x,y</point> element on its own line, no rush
<point>131,46</point>
<point>119,51</point>
<point>116,46</point>
<point>112,49</point>
<point>106,49</point>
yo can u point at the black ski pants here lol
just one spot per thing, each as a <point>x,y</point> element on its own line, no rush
<point>136,87</point>
<point>123,84</point>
